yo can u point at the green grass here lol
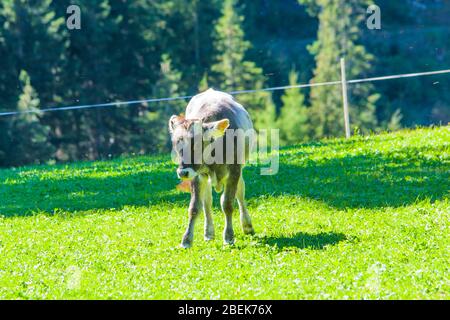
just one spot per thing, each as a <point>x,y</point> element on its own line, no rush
<point>366,218</point>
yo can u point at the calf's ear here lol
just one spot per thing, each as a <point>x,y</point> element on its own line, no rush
<point>214,130</point>
<point>174,120</point>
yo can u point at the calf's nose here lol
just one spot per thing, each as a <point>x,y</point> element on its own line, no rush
<point>182,174</point>
<point>186,173</point>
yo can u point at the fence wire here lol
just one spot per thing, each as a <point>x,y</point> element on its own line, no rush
<point>309,85</point>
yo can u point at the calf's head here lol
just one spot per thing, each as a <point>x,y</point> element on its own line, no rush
<point>189,139</point>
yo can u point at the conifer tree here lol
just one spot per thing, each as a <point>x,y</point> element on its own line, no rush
<point>395,121</point>
<point>294,118</point>
<point>266,116</point>
<point>232,72</point>
<point>153,120</point>
<point>338,36</point>
<point>204,84</point>
<point>29,137</point>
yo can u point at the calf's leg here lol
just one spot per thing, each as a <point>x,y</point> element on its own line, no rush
<point>198,186</point>
<point>207,208</point>
<point>246,221</point>
<point>227,201</point>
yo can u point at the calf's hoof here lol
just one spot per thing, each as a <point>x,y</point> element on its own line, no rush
<point>228,239</point>
<point>228,242</point>
<point>186,245</point>
<point>209,233</point>
<point>248,230</point>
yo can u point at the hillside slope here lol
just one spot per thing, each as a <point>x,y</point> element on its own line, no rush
<point>363,218</point>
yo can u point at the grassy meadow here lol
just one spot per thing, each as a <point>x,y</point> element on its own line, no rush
<point>366,218</point>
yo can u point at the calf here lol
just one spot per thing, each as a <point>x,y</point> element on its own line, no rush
<point>211,122</point>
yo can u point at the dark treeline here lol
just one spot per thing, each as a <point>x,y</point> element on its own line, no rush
<point>129,50</point>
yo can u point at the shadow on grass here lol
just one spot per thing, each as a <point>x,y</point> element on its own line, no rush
<point>27,195</point>
<point>305,241</point>
<point>360,181</point>
<point>354,181</point>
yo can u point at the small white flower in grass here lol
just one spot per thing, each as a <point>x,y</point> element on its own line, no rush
<point>373,282</point>
<point>73,278</point>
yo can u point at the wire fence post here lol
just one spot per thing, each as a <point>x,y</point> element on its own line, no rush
<point>345,98</point>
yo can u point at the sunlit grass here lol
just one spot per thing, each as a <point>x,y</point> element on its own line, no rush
<point>366,218</point>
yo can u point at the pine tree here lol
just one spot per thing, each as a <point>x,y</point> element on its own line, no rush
<point>203,85</point>
<point>4,141</point>
<point>339,36</point>
<point>294,116</point>
<point>29,137</point>
<point>267,117</point>
<point>30,39</point>
<point>153,119</point>
<point>232,72</point>
<point>395,121</point>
